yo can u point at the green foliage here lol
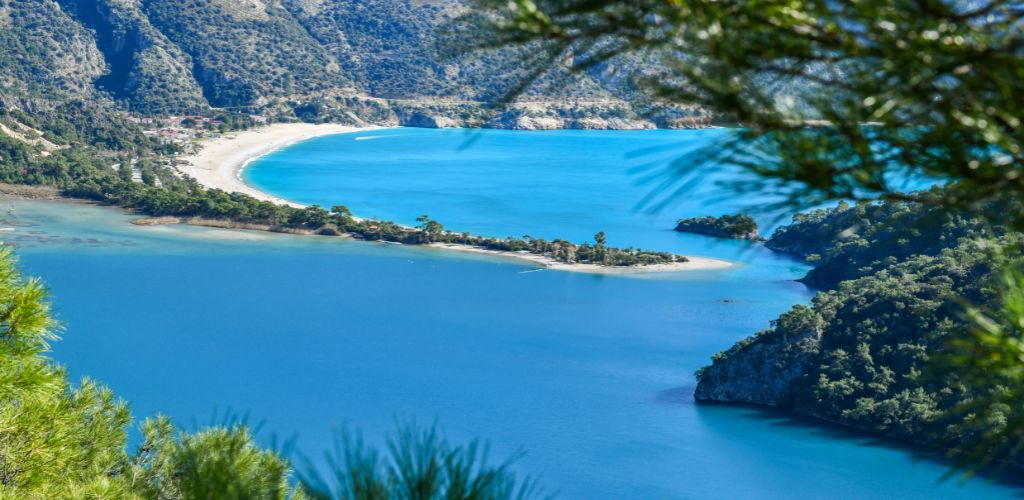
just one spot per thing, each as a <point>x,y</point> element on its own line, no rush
<point>419,464</point>
<point>990,362</point>
<point>214,463</point>
<point>80,123</point>
<point>876,337</point>
<point>146,173</point>
<point>56,440</point>
<point>124,171</point>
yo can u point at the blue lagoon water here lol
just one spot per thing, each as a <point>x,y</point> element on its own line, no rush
<point>591,376</point>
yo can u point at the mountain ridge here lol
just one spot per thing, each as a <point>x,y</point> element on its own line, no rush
<point>388,62</point>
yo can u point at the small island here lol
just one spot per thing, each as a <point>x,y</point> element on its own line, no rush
<point>737,227</point>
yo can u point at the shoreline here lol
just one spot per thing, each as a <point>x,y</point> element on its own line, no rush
<point>220,162</point>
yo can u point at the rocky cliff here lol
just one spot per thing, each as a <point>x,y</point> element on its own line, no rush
<point>768,368</point>
<point>146,71</point>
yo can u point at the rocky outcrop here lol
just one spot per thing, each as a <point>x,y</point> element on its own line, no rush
<point>612,123</point>
<point>535,123</point>
<point>855,356</point>
<point>764,369</point>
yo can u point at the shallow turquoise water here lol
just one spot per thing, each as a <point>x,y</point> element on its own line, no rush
<point>567,184</point>
<point>590,375</point>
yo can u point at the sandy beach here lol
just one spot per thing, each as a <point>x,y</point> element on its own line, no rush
<point>220,161</point>
<point>693,263</point>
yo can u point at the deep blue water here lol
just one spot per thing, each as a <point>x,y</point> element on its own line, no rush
<point>591,375</point>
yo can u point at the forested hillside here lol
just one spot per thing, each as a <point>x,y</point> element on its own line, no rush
<point>245,52</point>
<point>144,70</point>
<point>896,277</point>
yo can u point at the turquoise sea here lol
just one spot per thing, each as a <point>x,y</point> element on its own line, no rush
<point>591,376</point>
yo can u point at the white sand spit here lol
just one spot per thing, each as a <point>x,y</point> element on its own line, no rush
<point>692,264</point>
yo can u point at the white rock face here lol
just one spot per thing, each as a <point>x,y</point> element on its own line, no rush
<point>538,123</point>
<point>612,124</point>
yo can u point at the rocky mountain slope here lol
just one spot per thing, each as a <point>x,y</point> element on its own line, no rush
<point>383,61</point>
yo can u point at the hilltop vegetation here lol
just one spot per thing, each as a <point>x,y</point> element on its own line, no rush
<point>46,53</point>
<point>738,227</point>
<point>144,70</point>
<point>848,242</point>
<point>245,52</point>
